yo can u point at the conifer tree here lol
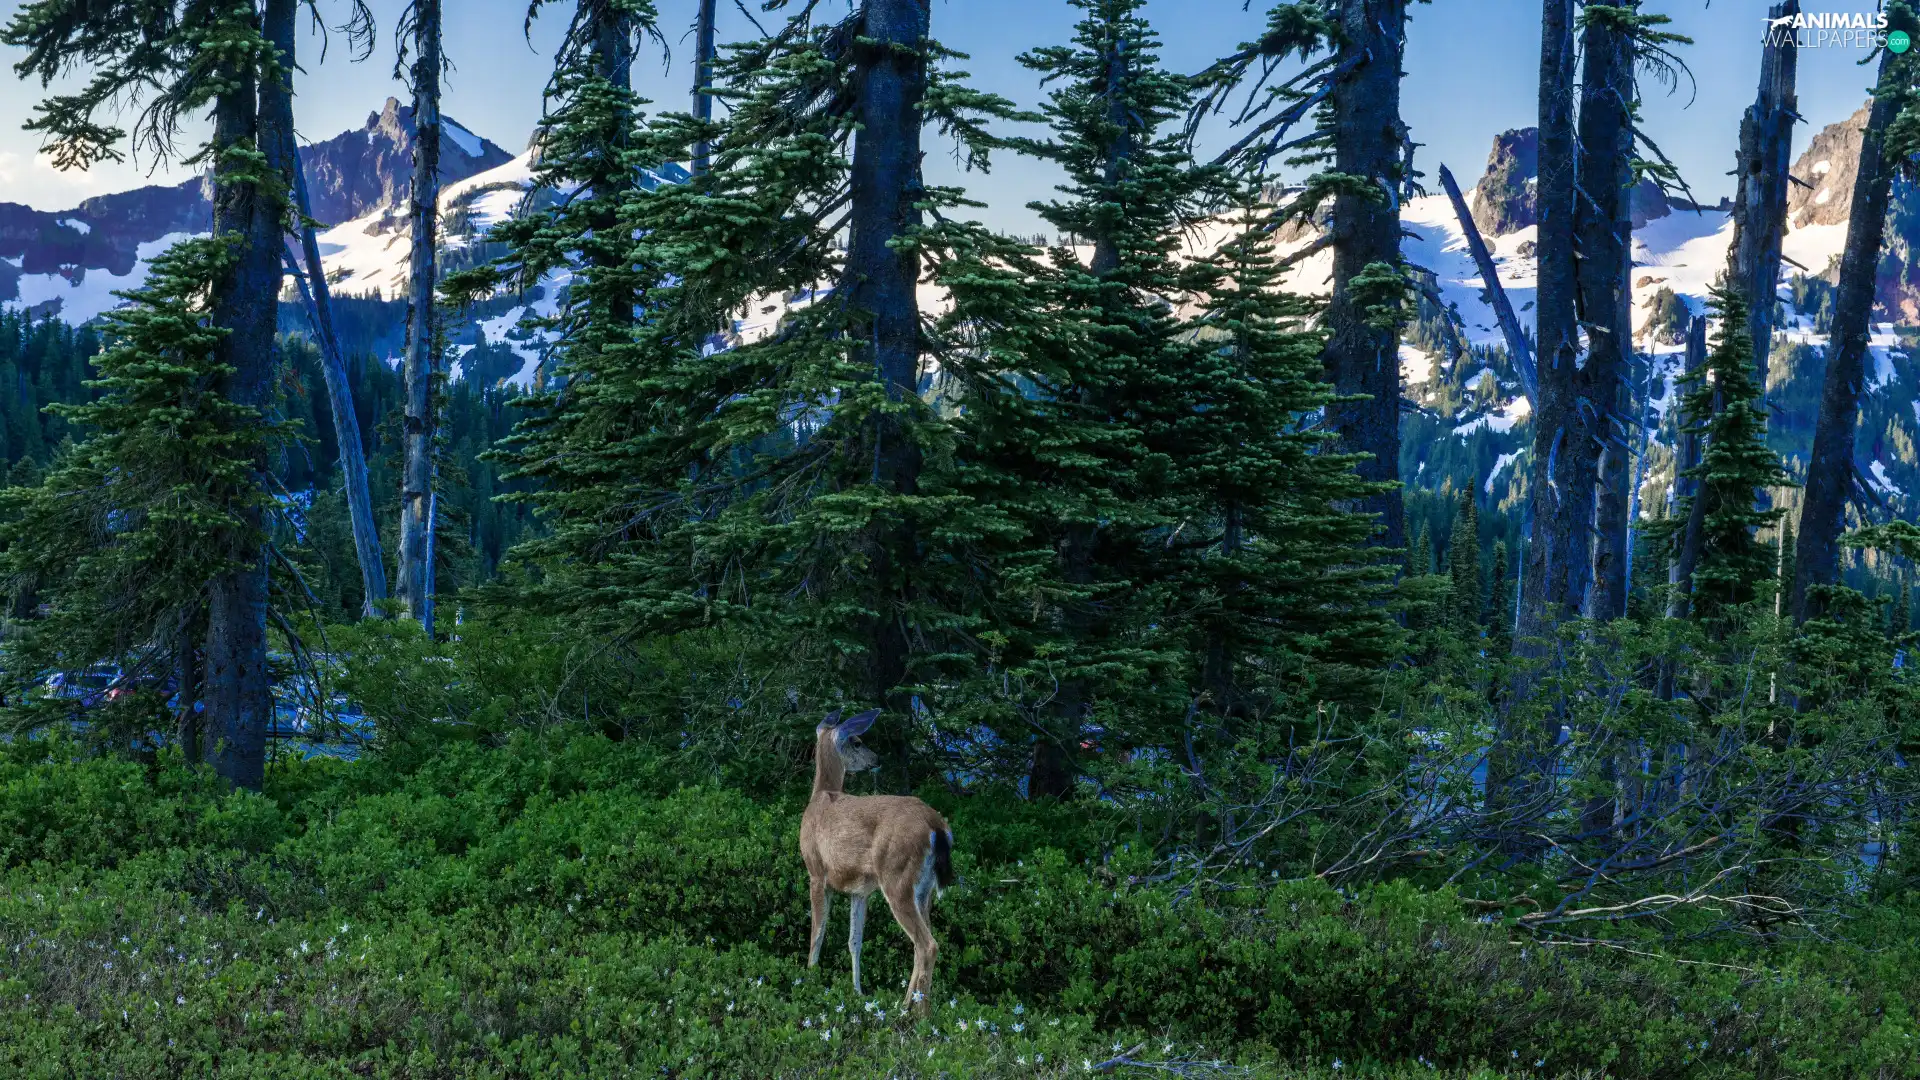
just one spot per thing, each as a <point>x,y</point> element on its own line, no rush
<point>1420,551</point>
<point>1500,612</point>
<point>122,535</point>
<point>1786,557</point>
<point>1721,404</point>
<point>1463,553</point>
<point>1283,581</point>
<point>1131,186</point>
<point>1892,133</point>
<point>234,59</point>
<point>775,484</point>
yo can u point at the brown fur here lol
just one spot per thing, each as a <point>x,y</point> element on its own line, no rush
<point>856,845</point>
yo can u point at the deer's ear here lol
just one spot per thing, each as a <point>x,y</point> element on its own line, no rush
<point>832,719</point>
<point>854,725</point>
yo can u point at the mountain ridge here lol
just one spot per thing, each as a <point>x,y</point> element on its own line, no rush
<point>69,262</point>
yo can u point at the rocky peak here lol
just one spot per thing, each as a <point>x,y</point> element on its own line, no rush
<point>1504,202</point>
<point>356,172</point>
<point>1828,165</point>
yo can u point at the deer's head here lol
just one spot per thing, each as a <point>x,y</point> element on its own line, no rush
<point>834,754</point>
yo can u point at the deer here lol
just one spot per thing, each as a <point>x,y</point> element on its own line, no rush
<point>856,845</point>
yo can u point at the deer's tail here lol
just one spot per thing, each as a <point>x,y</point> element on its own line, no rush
<point>943,857</point>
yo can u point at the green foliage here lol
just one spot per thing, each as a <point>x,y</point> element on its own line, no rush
<point>558,907</point>
<point>1737,464</point>
<point>1667,317</point>
<point>122,534</point>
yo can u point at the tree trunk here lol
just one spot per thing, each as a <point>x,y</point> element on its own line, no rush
<point>1560,493</point>
<point>186,673</point>
<point>346,424</point>
<point>703,80</point>
<point>1518,348</point>
<point>1831,470</point>
<point>1680,576</point>
<point>417,470</point>
<point>1604,231</point>
<point>881,280</point>
<point>1368,140</point>
<point>245,302</point>
<point>1760,204</point>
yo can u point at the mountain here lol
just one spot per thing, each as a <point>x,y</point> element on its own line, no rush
<point>69,263</point>
<point>1503,201</point>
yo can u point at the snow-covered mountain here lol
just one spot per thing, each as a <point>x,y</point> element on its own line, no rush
<point>1468,427</point>
<point>69,263</point>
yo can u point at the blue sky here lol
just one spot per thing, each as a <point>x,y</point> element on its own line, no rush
<point>1471,68</point>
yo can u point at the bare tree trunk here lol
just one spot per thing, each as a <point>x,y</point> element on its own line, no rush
<point>186,673</point>
<point>881,279</point>
<point>1604,230</point>
<point>346,424</point>
<point>417,470</point>
<point>1760,204</point>
<point>1831,474</point>
<point>1680,575</point>
<point>1560,493</point>
<point>703,80</point>
<point>1368,140</point>
<point>1518,348</point>
<point>239,702</point>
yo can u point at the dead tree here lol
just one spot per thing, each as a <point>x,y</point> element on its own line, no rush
<point>1760,203</point>
<point>1831,472</point>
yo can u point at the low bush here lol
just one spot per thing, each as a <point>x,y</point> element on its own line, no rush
<point>550,908</point>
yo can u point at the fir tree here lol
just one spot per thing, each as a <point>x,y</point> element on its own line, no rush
<point>234,60</point>
<point>1500,612</point>
<point>421,21</point>
<point>1131,186</point>
<point>1463,552</point>
<point>125,530</point>
<point>693,479</point>
<point>1721,404</point>
<point>1271,559</point>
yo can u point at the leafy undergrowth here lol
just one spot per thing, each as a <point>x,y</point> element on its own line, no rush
<point>555,908</point>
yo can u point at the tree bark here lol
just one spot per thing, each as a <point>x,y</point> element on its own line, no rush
<point>346,421</point>
<point>703,80</point>
<point>1680,575</point>
<point>1518,347</point>
<point>417,470</point>
<point>245,302</point>
<point>1604,237</point>
<point>346,424</point>
<point>1560,493</point>
<point>1760,203</point>
<point>1830,469</point>
<point>1360,359</point>
<point>881,281</point>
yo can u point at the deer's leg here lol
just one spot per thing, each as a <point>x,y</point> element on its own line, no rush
<point>901,900</point>
<point>856,930</point>
<point>822,910</point>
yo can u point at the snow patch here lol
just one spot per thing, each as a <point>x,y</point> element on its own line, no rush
<point>467,141</point>
<point>77,225</point>
<point>1881,481</point>
<point>89,294</point>
<point>1416,365</point>
<point>1500,466</point>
